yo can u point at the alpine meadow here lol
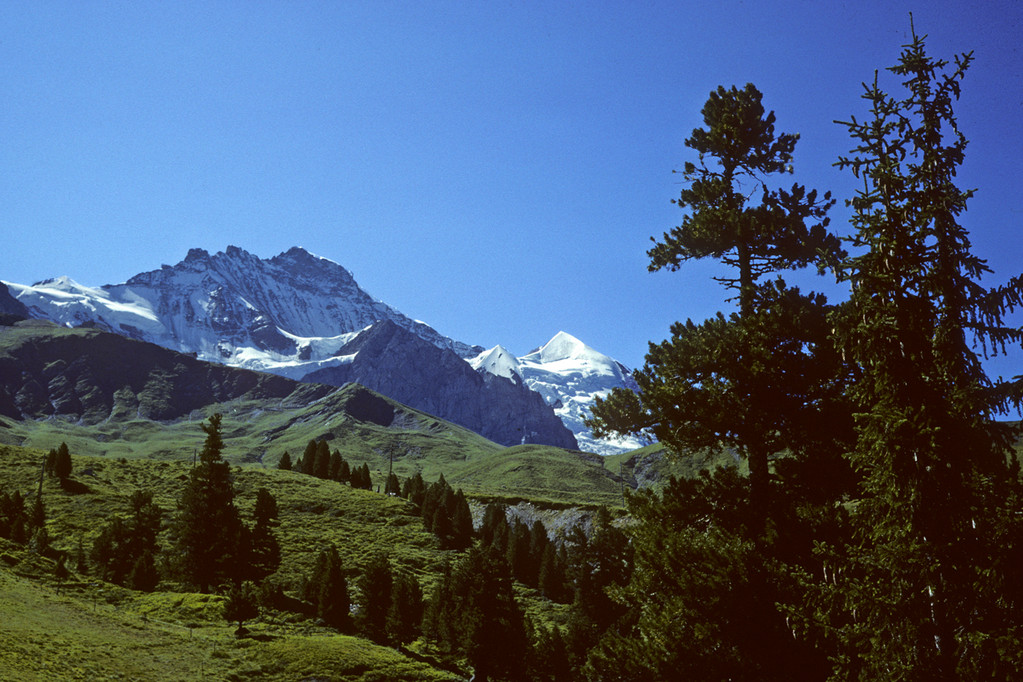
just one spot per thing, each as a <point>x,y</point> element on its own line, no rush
<point>237,468</point>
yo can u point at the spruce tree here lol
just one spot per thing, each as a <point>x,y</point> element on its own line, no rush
<point>925,590</point>
<point>242,604</point>
<point>488,625</point>
<point>62,462</point>
<point>327,590</point>
<point>285,462</point>
<point>406,609</point>
<point>375,586</point>
<point>208,529</point>
<point>265,550</point>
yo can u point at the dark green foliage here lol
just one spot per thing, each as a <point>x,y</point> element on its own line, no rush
<point>144,575</point>
<point>473,611</point>
<point>327,590</point>
<point>124,551</point>
<point>924,590</point>
<point>208,530</point>
<point>702,601</point>
<point>62,462</point>
<point>285,462</point>
<point>550,657</point>
<point>445,512</point>
<point>13,517</point>
<point>393,486</point>
<point>598,563</point>
<point>60,571</point>
<point>414,490</point>
<point>375,586</point>
<point>242,604</point>
<point>50,467</point>
<point>777,385</point>
<point>360,478</point>
<point>264,549</point>
<point>406,610</point>
<point>307,465</point>
<point>321,461</point>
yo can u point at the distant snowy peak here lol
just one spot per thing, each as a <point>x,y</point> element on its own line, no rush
<point>499,362</point>
<point>569,375</point>
<point>271,314</point>
<point>566,353</point>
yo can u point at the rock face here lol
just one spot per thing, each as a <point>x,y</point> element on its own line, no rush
<point>393,361</point>
<point>11,309</point>
<point>91,376</point>
<point>302,317</point>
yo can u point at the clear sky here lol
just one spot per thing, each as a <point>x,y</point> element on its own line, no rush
<point>493,168</point>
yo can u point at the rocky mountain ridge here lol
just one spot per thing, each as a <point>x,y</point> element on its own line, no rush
<point>305,317</point>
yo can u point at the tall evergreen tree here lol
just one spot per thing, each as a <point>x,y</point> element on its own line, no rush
<point>208,529</point>
<point>375,586</point>
<point>327,590</point>
<point>265,550</point>
<point>62,462</point>
<point>285,462</point>
<point>406,610</point>
<point>488,624</point>
<point>743,381</point>
<point>925,591</point>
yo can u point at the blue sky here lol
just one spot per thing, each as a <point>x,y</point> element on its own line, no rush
<point>495,169</point>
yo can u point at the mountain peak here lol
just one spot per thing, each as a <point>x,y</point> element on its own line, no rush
<point>564,346</point>
<point>499,362</point>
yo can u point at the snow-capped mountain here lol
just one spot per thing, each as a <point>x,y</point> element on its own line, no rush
<point>569,375</point>
<point>288,314</point>
<point>305,318</point>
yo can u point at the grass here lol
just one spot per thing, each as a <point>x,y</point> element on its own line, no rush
<point>90,630</point>
<point>258,432</point>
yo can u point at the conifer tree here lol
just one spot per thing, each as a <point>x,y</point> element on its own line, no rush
<point>406,610</point>
<point>925,590</point>
<point>208,529</point>
<point>62,462</point>
<point>285,462</point>
<point>321,461</point>
<point>745,381</point>
<point>488,624</point>
<point>265,550</point>
<point>327,590</point>
<point>242,604</point>
<point>375,586</point>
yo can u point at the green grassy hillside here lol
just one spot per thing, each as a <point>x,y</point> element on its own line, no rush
<point>88,629</point>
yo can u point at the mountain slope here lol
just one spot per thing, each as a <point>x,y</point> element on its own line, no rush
<point>569,375</point>
<point>106,395</point>
<point>402,366</point>
<point>299,316</point>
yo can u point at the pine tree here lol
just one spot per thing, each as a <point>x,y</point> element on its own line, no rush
<point>265,552</point>
<point>307,465</point>
<point>375,585</point>
<point>62,463</point>
<point>327,590</point>
<point>406,610</point>
<point>144,575</point>
<point>487,622</point>
<point>750,381</point>
<point>321,461</point>
<point>208,529</point>
<point>242,604</point>
<point>285,462</point>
